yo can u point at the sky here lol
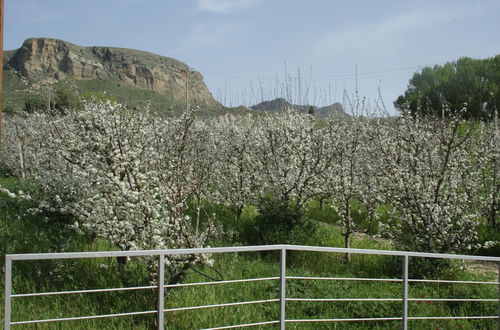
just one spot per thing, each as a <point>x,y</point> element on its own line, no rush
<point>309,51</point>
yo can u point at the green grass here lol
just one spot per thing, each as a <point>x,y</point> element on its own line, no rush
<point>363,222</point>
<point>133,97</point>
<point>245,266</point>
<point>16,94</point>
<point>42,233</point>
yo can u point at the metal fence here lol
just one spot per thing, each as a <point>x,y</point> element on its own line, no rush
<point>281,277</point>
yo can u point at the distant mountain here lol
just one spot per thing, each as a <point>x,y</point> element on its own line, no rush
<point>281,105</point>
<point>126,72</point>
<point>276,105</point>
<point>335,110</point>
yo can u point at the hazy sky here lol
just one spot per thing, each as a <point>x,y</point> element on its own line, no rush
<point>242,47</point>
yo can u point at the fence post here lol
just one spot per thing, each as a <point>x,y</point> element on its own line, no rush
<point>161,291</point>
<point>282,288</point>
<point>405,293</point>
<point>7,293</point>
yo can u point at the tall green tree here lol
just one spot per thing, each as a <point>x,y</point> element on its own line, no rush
<point>442,90</point>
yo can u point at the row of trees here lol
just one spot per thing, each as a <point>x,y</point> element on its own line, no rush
<point>474,82</point>
<point>130,177</point>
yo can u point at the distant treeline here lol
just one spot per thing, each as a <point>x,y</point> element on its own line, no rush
<point>470,83</point>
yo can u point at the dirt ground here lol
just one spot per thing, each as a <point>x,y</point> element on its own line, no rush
<point>483,267</point>
<point>473,266</point>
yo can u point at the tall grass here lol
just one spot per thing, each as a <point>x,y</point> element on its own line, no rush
<point>237,266</point>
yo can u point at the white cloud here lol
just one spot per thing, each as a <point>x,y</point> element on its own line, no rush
<point>226,6</point>
<point>384,35</point>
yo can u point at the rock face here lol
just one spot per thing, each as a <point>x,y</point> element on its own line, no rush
<point>51,58</point>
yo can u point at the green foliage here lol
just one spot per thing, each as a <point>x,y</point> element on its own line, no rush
<point>9,109</point>
<point>322,212</point>
<point>362,219</point>
<point>470,82</point>
<point>34,104</point>
<point>66,98</point>
<point>60,97</point>
<point>25,230</point>
<point>5,171</point>
<point>488,233</point>
<point>277,223</point>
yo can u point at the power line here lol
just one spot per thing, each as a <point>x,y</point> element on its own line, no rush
<point>368,73</point>
<point>346,75</point>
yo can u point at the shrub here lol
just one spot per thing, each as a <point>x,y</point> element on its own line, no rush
<point>277,223</point>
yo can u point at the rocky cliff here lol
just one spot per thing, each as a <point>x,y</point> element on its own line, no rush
<point>51,58</point>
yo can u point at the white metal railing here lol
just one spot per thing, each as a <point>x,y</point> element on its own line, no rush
<point>282,278</point>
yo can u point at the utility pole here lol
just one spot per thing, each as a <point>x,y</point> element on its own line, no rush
<point>186,82</point>
<point>1,77</point>
<point>187,89</point>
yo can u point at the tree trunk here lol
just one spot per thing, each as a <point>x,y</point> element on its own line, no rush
<point>21,158</point>
<point>347,245</point>
<point>348,229</point>
<point>122,262</point>
<point>198,214</point>
<point>493,215</point>
<point>174,279</point>
<point>239,212</point>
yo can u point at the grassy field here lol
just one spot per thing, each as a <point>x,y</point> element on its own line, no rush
<point>16,94</point>
<point>22,233</point>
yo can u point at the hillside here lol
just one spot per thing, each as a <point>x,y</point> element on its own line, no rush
<point>281,105</point>
<point>132,76</point>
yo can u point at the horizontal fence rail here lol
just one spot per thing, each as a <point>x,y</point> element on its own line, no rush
<point>282,279</point>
